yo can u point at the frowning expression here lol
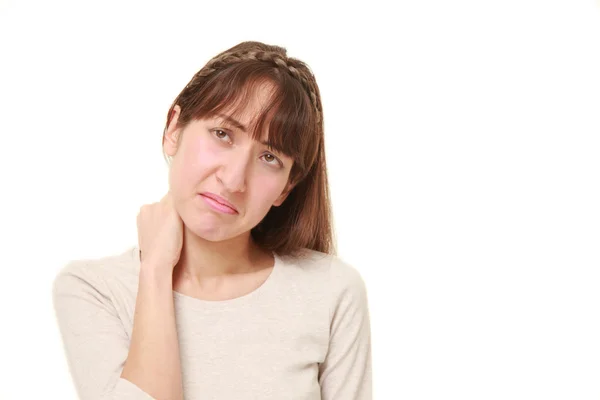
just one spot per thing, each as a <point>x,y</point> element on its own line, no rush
<point>223,181</point>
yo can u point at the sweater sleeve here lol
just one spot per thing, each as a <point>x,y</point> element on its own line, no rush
<point>346,372</point>
<point>94,339</point>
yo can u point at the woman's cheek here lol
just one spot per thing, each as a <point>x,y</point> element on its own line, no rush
<point>273,189</point>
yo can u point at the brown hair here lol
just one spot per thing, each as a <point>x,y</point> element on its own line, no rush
<point>295,127</point>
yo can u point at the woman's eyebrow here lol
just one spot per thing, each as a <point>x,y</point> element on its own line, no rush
<point>233,122</point>
<point>241,127</point>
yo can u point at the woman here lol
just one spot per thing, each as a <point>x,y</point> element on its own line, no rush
<point>233,291</point>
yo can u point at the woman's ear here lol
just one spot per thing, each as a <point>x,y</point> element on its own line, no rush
<point>172,133</point>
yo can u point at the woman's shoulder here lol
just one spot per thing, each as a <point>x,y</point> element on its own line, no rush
<point>339,273</point>
<point>96,296</point>
<point>99,273</point>
<point>334,277</point>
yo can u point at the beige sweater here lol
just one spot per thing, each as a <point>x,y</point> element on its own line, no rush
<point>304,334</point>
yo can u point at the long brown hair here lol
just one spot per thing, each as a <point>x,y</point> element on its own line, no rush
<point>295,127</point>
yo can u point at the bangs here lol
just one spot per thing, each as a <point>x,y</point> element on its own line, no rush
<point>286,118</point>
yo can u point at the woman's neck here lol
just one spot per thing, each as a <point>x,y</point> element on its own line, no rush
<point>202,260</point>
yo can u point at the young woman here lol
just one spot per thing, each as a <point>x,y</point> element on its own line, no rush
<point>233,291</point>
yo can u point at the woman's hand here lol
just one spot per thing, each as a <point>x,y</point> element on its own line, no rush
<point>160,234</point>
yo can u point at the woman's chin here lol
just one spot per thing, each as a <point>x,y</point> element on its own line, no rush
<point>212,232</point>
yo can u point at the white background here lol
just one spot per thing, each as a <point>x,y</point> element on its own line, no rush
<point>464,153</point>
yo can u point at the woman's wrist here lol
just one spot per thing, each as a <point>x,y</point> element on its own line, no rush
<point>155,275</point>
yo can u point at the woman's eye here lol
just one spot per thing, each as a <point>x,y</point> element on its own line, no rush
<point>271,159</point>
<point>222,135</point>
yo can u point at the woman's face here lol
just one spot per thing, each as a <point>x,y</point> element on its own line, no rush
<point>217,160</point>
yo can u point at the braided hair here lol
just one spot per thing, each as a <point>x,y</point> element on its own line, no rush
<point>294,67</point>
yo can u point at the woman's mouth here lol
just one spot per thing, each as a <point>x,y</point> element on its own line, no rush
<point>218,203</point>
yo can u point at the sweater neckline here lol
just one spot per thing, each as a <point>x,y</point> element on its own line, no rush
<point>185,301</point>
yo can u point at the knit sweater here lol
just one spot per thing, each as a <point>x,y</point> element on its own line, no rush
<point>304,334</point>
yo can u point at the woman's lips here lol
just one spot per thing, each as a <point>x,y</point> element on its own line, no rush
<point>217,203</point>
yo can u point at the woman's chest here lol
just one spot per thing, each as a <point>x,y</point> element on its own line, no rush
<point>263,355</point>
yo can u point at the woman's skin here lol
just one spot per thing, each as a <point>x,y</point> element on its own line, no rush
<point>189,246</point>
<point>153,362</point>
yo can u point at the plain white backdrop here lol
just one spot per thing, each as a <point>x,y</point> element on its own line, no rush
<point>464,156</point>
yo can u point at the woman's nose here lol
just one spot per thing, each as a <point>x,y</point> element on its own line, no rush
<point>233,172</point>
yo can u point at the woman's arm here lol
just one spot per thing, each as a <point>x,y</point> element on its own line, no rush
<point>104,362</point>
<point>346,372</point>
<point>153,362</point>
